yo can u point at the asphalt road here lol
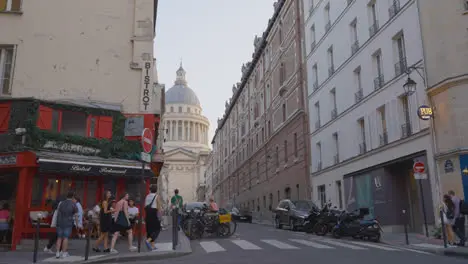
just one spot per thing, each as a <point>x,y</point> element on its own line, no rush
<point>265,245</point>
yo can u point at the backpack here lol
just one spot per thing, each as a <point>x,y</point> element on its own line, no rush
<point>463,207</point>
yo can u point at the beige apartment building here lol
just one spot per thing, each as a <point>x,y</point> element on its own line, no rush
<point>100,51</point>
<point>260,151</point>
<point>445,47</point>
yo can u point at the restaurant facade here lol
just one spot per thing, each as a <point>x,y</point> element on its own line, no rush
<point>49,148</point>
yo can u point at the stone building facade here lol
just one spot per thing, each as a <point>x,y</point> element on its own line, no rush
<point>260,145</point>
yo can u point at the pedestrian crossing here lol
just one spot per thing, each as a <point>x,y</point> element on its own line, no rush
<point>294,244</point>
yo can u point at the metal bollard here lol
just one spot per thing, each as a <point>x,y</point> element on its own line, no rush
<point>175,227</point>
<point>444,235</point>
<point>406,227</point>
<point>88,240</point>
<point>36,238</point>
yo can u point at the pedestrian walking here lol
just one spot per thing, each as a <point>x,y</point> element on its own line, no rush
<point>105,222</point>
<point>52,235</point>
<point>177,203</point>
<point>153,210</point>
<point>65,214</point>
<point>459,222</point>
<point>448,209</point>
<point>122,223</point>
<point>133,214</point>
<point>79,218</point>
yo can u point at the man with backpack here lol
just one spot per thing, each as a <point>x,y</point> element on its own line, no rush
<point>459,225</point>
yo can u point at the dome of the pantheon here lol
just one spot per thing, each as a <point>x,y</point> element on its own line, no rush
<point>180,93</point>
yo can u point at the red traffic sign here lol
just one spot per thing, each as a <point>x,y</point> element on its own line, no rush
<point>419,167</point>
<point>147,140</point>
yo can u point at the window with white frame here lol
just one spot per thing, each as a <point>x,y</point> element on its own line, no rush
<point>6,68</point>
<point>331,65</point>
<point>327,17</point>
<point>399,52</point>
<point>319,153</point>
<point>322,196</point>
<point>315,76</point>
<point>465,2</point>
<point>312,37</point>
<point>10,5</point>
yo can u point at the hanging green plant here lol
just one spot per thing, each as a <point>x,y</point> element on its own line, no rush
<point>24,113</point>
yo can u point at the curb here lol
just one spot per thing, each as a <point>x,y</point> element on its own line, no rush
<point>450,252</point>
<point>183,248</point>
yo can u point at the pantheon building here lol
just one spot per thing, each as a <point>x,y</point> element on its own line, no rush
<point>186,145</point>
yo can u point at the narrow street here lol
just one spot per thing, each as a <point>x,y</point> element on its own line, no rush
<point>265,245</point>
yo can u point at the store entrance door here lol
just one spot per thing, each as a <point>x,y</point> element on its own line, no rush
<point>8,189</point>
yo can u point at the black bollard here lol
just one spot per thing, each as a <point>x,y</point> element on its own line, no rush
<point>444,235</point>
<point>36,239</point>
<point>174,228</point>
<point>406,227</point>
<point>88,240</point>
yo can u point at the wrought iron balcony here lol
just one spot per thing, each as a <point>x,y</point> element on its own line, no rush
<point>379,82</point>
<point>400,66</point>
<point>312,45</point>
<point>362,148</point>
<point>328,26</point>
<point>383,138</point>
<point>350,1</point>
<point>394,8</point>
<point>359,95</point>
<point>334,113</point>
<point>354,47</point>
<point>315,85</point>
<point>406,130</point>
<point>374,28</point>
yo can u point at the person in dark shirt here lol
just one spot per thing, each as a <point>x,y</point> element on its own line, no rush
<point>66,211</point>
<point>53,235</point>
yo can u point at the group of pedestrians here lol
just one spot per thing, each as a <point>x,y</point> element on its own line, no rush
<point>454,220</point>
<point>115,218</point>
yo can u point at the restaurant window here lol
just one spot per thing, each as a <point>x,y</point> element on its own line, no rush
<point>92,192</point>
<point>55,121</point>
<point>110,184</point>
<point>74,123</point>
<point>52,190</point>
<point>92,127</point>
<point>78,187</point>
<point>133,187</point>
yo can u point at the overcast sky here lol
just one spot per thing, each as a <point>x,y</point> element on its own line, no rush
<point>213,38</point>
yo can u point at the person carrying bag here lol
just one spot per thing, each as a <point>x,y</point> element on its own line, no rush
<point>153,223</point>
<point>121,224</point>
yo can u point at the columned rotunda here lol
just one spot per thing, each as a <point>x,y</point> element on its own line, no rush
<point>187,145</point>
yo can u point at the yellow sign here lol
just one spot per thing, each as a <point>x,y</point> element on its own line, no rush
<point>425,112</point>
<point>225,218</point>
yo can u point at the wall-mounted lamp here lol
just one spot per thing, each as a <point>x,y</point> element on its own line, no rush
<point>465,171</point>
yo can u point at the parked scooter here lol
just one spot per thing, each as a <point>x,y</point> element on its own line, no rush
<point>353,225</point>
<point>327,220</point>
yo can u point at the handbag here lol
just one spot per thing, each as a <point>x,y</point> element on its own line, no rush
<point>54,217</point>
<point>122,219</point>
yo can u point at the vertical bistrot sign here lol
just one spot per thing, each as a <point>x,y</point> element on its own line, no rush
<point>146,89</point>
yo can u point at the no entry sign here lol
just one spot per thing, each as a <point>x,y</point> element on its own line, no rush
<point>419,167</point>
<point>147,140</point>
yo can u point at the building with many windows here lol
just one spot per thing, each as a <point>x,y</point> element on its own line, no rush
<point>260,145</point>
<point>365,132</point>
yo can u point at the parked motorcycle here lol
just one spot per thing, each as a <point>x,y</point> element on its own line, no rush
<point>312,219</point>
<point>327,220</point>
<point>353,225</point>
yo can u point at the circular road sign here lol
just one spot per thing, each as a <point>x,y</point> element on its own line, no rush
<point>147,140</point>
<point>419,167</point>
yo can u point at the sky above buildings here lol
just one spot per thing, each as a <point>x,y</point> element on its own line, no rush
<point>213,38</point>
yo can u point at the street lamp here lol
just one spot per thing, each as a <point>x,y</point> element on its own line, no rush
<point>409,86</point>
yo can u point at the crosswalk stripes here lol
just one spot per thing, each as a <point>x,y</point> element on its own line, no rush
<point>244,244</point>
<point>292,243</point>
<point>278,244</point>
<point>311,244</point>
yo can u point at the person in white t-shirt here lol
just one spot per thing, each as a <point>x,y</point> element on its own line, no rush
<point>133,213</point>
<point>153,224</point>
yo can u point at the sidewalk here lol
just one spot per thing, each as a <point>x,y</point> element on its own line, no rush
<point>77,251</point>
<point>422,243</point>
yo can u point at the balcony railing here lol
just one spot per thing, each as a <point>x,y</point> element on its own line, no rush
<point>379,82</point>
<point>350,1</point>
<point>383,138</point>
<point>315,85</point>
<point>328,26</point>
<point>394,8</point>
<point>336,159</point>
<point>317,124</point>
<point>331,70</point>
<point>362,148</point>
<point>374,28</point>
<point>359,95</point>
<point>354,47</point>
<point>406,130</point>
<point>334,113</point>
<point>400,66</point>
<point>319,165</point>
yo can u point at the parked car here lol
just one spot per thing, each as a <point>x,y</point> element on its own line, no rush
<point>293,213</point>
<point>197,206</point>
<point>242,215</point>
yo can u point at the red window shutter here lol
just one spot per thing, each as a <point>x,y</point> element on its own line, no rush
<point>4,117</point>
<point>44,120</point>
<point>104,127</point>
